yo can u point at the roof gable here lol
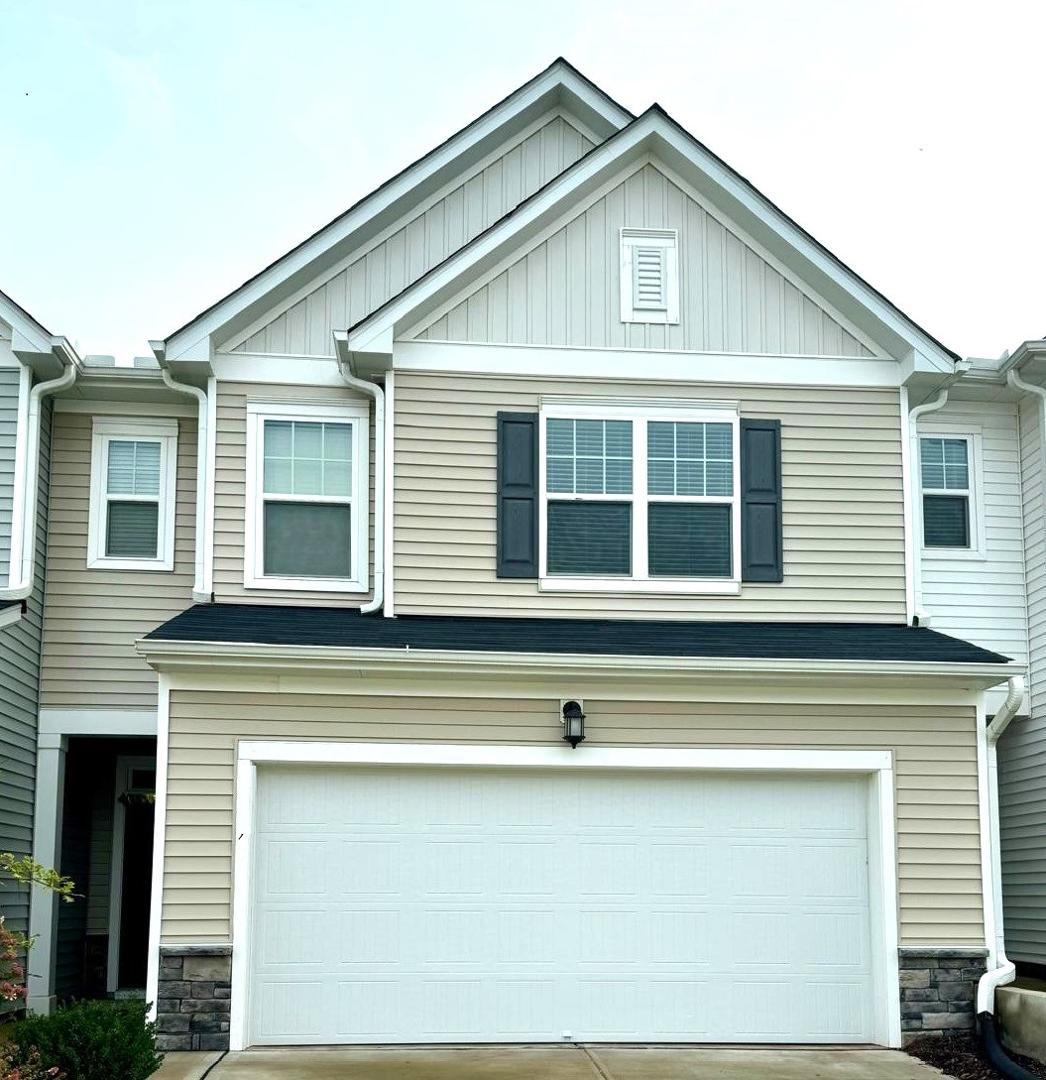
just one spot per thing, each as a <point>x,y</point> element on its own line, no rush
<point>565,289</point>
<point>559,87</point>
<point>436,228</point>
<point>655,136</point>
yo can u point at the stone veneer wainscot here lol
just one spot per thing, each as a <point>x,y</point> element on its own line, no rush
<point>192,998</point>
<point>939,990</point>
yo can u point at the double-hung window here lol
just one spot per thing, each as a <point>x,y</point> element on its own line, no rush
<point>307,494</point>
<point>947,469</point>
<point>639,498</point>
<point>131,515</point>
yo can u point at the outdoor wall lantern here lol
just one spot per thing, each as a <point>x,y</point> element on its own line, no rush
<point>573,723</point>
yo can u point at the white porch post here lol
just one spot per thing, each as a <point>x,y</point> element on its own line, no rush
<point>47,849</point>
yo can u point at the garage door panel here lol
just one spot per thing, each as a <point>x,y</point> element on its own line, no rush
<point>429,905</point>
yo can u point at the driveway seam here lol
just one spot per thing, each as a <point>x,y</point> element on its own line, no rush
<point>213,1065</point>
<point>596,1064</point>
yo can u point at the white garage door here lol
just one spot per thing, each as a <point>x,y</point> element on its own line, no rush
<point>474,905</point>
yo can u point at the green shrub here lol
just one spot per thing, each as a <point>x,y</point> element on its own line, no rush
<point>92,1040</point>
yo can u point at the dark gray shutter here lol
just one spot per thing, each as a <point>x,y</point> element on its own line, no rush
<point>761,553</point>
<point>517,495</point>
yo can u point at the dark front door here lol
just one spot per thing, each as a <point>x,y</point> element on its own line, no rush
<point>137,879</point>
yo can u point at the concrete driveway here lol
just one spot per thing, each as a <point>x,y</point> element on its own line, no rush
<point>548,1063</point>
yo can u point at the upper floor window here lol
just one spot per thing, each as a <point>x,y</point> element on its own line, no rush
<point>307,490</point>
<point>640,498</point>
<point>132,502</point>
<point>946,464</point>
<point>649,275</point>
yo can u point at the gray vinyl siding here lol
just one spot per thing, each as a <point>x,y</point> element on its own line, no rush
<point>983,600</point>
<point>1022,750</point>
<point>20,679</point>
<point>842,504</point>
<point>426,238</point>
<point>566,290</point>
<point>94,616</point>
<point>9,381</point>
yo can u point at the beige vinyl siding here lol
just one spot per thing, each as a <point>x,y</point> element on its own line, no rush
<point>842,512</point>
<point>230,488</point>
<point>983,600</point>
<point>934,748</point>
<point>566,291</point>
<point>92,617</point>
<point>423,240</point>
<point>1022,750</point>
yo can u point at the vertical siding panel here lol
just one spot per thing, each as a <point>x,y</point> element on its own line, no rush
<point>831,336</point>
<point>715,291</point>
<point>735,294</point>
<point>615,217</point>
<point>518,307</point>
<point>338,304</point>
<point>772,307</point>
<point>600,278</point>
<point>792,327</point>
<point>457,322</point>
<point>316,322</point>
<point>753,337</point>
<point>811,327</point>
<point>475,215</point>
<point>476,325</point>
<point>512,178</point>
<point>297,323</point>
<point>556,250</point>
<point>577,261</point>
<point>417,257</point>
<point>357,278</point>
<point>497,293</point>
<point>493,194</point>
<point>537,296</point>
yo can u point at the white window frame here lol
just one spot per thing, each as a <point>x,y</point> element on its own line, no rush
<point>358,417</point>
<point>105,430</point>
<point>640,414</point>
<point>668,240</point>
<point>974,493</point>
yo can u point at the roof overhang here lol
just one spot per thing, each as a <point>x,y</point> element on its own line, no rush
<point>655,135</point>
<point>349,662</point>
<point>560,84</point>
<point>46,354</point>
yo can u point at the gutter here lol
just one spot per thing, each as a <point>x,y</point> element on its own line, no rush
<point>919,616</point>
<point>1005,971</point>
<point>344,357</point>
<point>27,478</point>
<point>202,592</point>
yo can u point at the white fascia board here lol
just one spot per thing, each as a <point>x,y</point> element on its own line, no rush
<point>558,81</point>
<point>650,364</point>
<point>168,655</point>
<point>111,722</point>
<point>653,132</point>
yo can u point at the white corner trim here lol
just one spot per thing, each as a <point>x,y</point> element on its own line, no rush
<point>163,727</point>
<point>878,764</point>
<point>212,455</point>
<point>984,808</point>
<point>908,494</point>
<point>389,504</point>
<point>104,431</point>
<point>113,722</point>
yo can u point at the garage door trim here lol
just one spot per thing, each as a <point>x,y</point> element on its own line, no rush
<point>877,764</point>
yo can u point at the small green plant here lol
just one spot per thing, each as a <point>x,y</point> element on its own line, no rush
<point>28,871</point>
<point>91,1040</point>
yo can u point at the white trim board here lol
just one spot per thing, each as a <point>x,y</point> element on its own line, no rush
<point>882,845</point>
<point>163,727</point>
<point>112,722</point>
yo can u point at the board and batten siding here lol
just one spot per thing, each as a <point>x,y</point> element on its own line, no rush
<point>934,751</point>
<point>428,236</point>
<point>983,599</point>
<point>230,490</point>
<point>94,616</point>
<point>842,504</point>
<point>566,291</point>
<point>1022,750</point>
<point>19,704</point>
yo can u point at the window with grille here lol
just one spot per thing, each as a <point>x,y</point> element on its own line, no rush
<point>947,491</point>
<point>132,502</point>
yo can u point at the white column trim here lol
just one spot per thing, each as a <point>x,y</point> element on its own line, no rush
<point>152,978</point>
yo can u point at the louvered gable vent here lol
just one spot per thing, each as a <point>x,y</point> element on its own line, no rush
<point>649,275</point>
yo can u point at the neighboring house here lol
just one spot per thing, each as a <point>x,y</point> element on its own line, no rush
<point>564,431</point>
<point>30,356</point>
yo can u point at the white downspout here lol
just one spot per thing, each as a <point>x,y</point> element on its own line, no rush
<point>372,390</point>
<point>201,591</point>
<point>21,587</point>
<point>1004,970</point>
<point>938,402</point>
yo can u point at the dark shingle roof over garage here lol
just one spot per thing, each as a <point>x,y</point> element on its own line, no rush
<point>260,624</point>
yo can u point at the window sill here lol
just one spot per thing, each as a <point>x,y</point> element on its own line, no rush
<point>304,584</point>
<point>104,563</point>
<point>649,586</point>
<point>949,554</point>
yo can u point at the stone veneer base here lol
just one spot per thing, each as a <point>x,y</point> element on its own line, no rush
<point>939,990</point>
<point>192,998</point>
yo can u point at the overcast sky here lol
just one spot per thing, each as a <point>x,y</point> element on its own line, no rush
<point>154,155</point>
